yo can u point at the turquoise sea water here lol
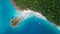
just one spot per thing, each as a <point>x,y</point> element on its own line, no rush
<point>31,25</point>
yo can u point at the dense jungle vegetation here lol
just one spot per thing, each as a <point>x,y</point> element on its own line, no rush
<point>49,8</point>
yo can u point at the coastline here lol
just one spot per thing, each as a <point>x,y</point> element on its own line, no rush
<point>25,12</point>
<point>17,7</point>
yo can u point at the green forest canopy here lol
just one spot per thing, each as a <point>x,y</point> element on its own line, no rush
<point>49,8</point>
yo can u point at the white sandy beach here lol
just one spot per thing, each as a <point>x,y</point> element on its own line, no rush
<point>27,12</point>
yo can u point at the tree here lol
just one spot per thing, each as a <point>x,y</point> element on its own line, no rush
<point>49,8</point>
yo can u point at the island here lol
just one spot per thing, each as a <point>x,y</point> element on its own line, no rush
<point>49,8</point>
<point>15,21</point>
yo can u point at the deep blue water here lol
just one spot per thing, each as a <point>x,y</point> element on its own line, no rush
<point>30,25</point>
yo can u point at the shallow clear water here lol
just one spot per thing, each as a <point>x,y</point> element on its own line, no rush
<point>31,25</point>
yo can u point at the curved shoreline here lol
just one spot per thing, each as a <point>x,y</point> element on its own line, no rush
<point>17,7</point>
<point>26,11</point>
